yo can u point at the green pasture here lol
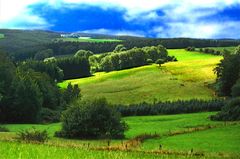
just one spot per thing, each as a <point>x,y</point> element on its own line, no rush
<point>185,79</point>
<point>92,40</point>
<point>222,139</point>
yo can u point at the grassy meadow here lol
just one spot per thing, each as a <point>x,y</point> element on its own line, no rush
<point>185,79</point>
<point>1,36</point>
<point>209,141</point>
<point>89,40</point>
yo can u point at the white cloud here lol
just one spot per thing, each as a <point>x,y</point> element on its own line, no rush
<point>227,29</point>
<point>16,14</point>
<point>115,32</point>
<point>185,18</point>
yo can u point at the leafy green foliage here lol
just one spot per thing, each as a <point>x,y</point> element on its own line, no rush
<point>71,93</point>
<point>132,58</point>
<point>83,54</point>
<point>3,129</point>
<point>7,74</point>
<point>160,62</point>
<point>236,89</point>
<point>49,115</point>
<point>120,48</point>
<point>41,55</point>
<point>228,72</point>
<point>26,99</point>
<point>33,135</point>
<point>49,68</point>
<point>230,112</point>
<point>25,91</point>
<point>190,48</point>
<point>92,119</point>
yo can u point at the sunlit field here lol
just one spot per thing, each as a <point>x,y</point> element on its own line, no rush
<point>187,78</point>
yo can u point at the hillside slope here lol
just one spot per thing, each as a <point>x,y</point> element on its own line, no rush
<point>186,79</point>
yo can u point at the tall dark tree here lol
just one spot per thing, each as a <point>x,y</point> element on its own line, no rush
<point>228,72</point>
<point>26,99</point>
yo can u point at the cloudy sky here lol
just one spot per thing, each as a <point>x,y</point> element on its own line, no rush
<point>149,18</point>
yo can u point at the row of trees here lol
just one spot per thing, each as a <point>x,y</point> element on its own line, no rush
<point>170,107</point>
<point>206,50</point>
<point>120,59</point>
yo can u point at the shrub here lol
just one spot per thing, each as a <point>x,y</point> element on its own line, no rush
<point>3,129</point>
<point>230,112</point>
<point>149,61</point>
<point>33,135</point>
<point>49,116</point>
<point>91,119</point>
<point>236,89</point>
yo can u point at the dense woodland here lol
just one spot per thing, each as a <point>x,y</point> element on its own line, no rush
<point>26,44</point>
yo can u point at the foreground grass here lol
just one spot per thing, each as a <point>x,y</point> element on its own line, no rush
<point>222,139</point>
<point>92,40</point>
<point>30,151</point>
<point>186,79</point>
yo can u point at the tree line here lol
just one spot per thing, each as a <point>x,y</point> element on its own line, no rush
<point>121,58</point>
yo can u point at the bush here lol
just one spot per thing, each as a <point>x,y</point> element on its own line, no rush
<point>91,119</point>
<point>49,116</point>
<point>236,89</point>
<point>33,135</point>
<point>230,112</point>
<point>149,61</point>
<point>3,129</point>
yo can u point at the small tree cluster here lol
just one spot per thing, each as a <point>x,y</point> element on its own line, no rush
<point>91,119</point>
<point>210,51</point>
<point>190,48</point>
<point>133,58</point>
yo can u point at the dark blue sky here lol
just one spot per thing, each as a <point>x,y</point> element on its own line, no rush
<point>213,19</point>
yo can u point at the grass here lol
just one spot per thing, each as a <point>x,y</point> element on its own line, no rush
<point>1,36</point>
<point>224,139</point>
<point>186,79</point>
<point>92,40</point>
<point>163,123</point>
<point>20,150</point>
<point>137,125</point>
